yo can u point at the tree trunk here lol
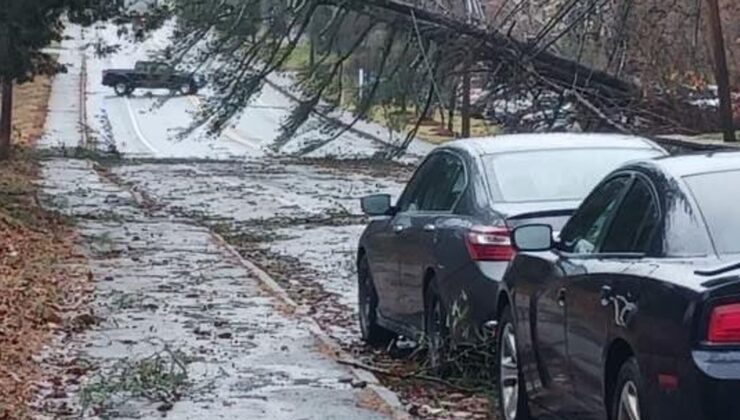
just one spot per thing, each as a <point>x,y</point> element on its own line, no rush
<point>311,52</point>
<point>5,118</point>
<point>720,72</point>
<point>465,108</point>
<point>451,108</point>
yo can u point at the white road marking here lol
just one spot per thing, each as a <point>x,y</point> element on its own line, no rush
<point>137,129</point>
<point>229,133</point>
<point>277,197</point>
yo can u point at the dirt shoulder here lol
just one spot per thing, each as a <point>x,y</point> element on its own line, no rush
<point>30,102</point>
<point>42,278</point>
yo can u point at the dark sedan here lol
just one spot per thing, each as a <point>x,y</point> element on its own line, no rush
<point>633,312</point>
<point>444,247</point>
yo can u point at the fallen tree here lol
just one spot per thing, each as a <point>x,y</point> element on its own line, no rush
<point>251,40</point>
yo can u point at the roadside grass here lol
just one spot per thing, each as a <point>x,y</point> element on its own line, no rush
<point>43,281</point>
<point>160,378</point>
<point>29,110</point>
<point>433,130</point>
<point>714,136</point>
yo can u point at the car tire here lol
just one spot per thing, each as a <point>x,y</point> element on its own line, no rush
<point>372,333</point>
<point>628,401</point>
<point>188,89</point>
<point>123,88</point>
<point>509,381</point>
<point>436,330</point>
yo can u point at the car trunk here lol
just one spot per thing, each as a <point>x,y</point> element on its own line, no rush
<point>555,213</point>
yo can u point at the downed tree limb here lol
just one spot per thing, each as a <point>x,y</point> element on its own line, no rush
<point>503,47</point>
<point>403,376</point>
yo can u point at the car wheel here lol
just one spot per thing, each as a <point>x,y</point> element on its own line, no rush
<point>436,329</point>
<point>627,401</point>
<point>187,89</point>
<point>512,396</point>
<point>372,333</point>
<point>122,89</point>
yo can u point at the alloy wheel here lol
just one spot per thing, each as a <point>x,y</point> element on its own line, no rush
<point>629,404</point>
<point>509,373</point>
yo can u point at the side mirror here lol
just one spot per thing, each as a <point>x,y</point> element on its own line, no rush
<point>376,205</point>
<point>532,238</point>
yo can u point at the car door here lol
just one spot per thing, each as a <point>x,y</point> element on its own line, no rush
<point>552,383</point>
<point>445,184</point>
<point>386,249</point>
<point>144,74</point>
<point>609,291</point>
<point>161,76</point>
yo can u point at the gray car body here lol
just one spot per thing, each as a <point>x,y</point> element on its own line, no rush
<point>406,250</point>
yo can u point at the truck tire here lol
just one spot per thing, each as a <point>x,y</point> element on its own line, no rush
<point>123,88</point>
<point>188,88</point>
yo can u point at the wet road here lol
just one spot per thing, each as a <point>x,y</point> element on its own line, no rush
<point>164,284</point>
<point>165,288</point>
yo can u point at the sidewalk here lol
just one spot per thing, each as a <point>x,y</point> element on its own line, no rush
<point>166,289</point>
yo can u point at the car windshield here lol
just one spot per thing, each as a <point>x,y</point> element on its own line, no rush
<point>554,174</point>
<point>714,193</point>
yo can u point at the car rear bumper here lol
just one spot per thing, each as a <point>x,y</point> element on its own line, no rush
<point>708,388</point>
<point>718,378</point>
<point>474,291</point>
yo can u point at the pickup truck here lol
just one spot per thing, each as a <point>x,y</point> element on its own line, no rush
<point>152,75</point>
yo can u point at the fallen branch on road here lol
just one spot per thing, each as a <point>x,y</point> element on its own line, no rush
<point>416,375</point>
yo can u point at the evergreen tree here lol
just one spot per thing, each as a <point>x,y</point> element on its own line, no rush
<point>26,28</point>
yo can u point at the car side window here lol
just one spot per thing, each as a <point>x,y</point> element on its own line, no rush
<point>634,223</point>
<point>161,68</point>
<point>445,185</point>
<point>436,186</point>
<point>410,199</point>
<point>588,225</point>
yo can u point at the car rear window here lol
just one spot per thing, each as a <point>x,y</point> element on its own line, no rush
<point>714,193</point>
<point>555,174</point>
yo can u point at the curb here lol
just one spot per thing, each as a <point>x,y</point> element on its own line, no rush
<point>389,402</point>
<point>391,405</point>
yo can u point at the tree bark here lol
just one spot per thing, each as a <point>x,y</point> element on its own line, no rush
<point>6,118</point>
<point>465,108</point>
<point>452,107</point>
<point>720,72</point>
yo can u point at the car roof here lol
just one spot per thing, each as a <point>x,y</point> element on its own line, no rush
<point>549,141</point>
<point>693,164</point>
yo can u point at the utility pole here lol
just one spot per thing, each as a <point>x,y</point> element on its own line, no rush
<point>720,72</point>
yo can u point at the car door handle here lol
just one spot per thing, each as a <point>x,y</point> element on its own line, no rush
<point>561,298</point>
<point>398,228</point>
<point>607,294</point>
<point>430,228</point>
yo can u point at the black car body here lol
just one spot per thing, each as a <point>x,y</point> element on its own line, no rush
<point>444,248</point>
<point>152,75</point>
<point>644,275</point>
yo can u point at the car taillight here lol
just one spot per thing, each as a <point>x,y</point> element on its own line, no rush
<point>489,243</point>
<point>724,324</point>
